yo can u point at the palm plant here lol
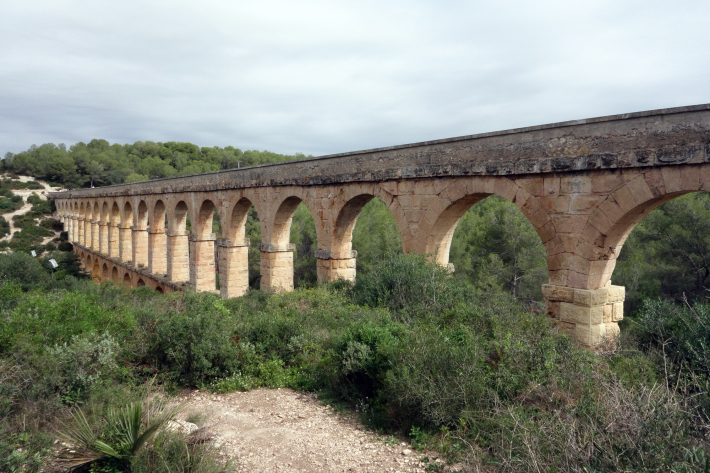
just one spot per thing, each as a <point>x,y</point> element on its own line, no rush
<point>130,428</point>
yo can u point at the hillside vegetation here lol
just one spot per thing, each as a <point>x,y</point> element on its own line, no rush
<point>461,363</point>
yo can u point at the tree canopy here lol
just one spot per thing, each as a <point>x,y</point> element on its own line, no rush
<point>99,163</point>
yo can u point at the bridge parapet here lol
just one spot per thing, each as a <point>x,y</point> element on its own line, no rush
<point>583,185</point>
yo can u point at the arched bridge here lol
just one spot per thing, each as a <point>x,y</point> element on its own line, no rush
<point>583,185</point>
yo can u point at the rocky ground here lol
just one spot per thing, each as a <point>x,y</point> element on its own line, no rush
<point>285,431</point>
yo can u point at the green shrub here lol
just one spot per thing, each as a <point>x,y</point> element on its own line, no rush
<point>65,246</point>
<point>193,339</point>
<point>409,287</point>
<point>81,363</point>
<point>24,270</point>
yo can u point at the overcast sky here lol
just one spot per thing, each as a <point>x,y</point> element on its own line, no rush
<point>332,76</point>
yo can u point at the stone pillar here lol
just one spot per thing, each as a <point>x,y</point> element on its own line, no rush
<point>202,270</point>
<point>277,267</point>
<point>125,243</point>
<point>589,316</point>
<point>157,252</point>
<point>114,249</point>
<point>233,268</point>
<point>140,247</point>
<point>103,238</point>
<point>178,257</point>
<point>94,234</point>
<point>87,232</point>
<point>334,265</point>
<point>80,230</point>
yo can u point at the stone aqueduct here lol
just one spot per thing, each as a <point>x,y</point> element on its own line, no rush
<point>583,185</point>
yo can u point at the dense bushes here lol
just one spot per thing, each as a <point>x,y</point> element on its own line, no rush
<point>476,375</point>
<point>409,287</point>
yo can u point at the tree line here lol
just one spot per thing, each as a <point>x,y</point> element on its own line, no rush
<point>99,163</point>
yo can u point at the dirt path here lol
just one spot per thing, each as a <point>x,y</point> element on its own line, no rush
<point>285,431</point>
<point>26,207</point>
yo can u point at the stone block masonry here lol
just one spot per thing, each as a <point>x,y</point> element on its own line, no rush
<point>583,185</point>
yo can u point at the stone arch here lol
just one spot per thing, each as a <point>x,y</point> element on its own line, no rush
<point>105,212</point>
<point>157,220</point>
<point>434,226</point>
<point>281,220</point>
<point>441,232</point>
<point>142,215</point>
<point>177,222</point>
<point>115,216</point>
<point>140,282</point>
<point>611,222</point>
<point>345,222</point>
<point>202,223</point>
<point>96,271</point>
<point>105,274</point>
<point>114,275</point>
<point>159,289</point>
<point>127,279</point>
<point>127,217</point>
<point>235,225</point>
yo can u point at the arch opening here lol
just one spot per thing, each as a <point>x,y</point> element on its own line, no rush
<point>114,275</point>
<point>96,272</point>
<point>115,214</point>
<point>159,216</point>
<point>142,215</point>
<point>205,217</point>
<point>293,236</point>
<point>127,217</point>
<point>140,283</point>
<point>367,225</point>
<point>179,220</point>
<point>662,249</point>
<point>491,244</point>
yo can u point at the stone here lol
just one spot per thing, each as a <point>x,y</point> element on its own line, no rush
<point>587,298</point>
<point>557,293</point>
<point>616,293</point>
<point>180,426</point>
<point>581,314</point>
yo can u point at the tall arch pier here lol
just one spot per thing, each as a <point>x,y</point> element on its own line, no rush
<point>583,185</point>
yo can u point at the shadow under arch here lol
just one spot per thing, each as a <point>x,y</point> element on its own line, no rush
<point>114,275</point>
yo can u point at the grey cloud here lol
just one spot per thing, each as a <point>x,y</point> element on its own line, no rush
<point>325,77</point>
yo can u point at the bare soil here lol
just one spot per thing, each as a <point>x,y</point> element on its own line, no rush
<point>282,430</point>
<point>26,207</point>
